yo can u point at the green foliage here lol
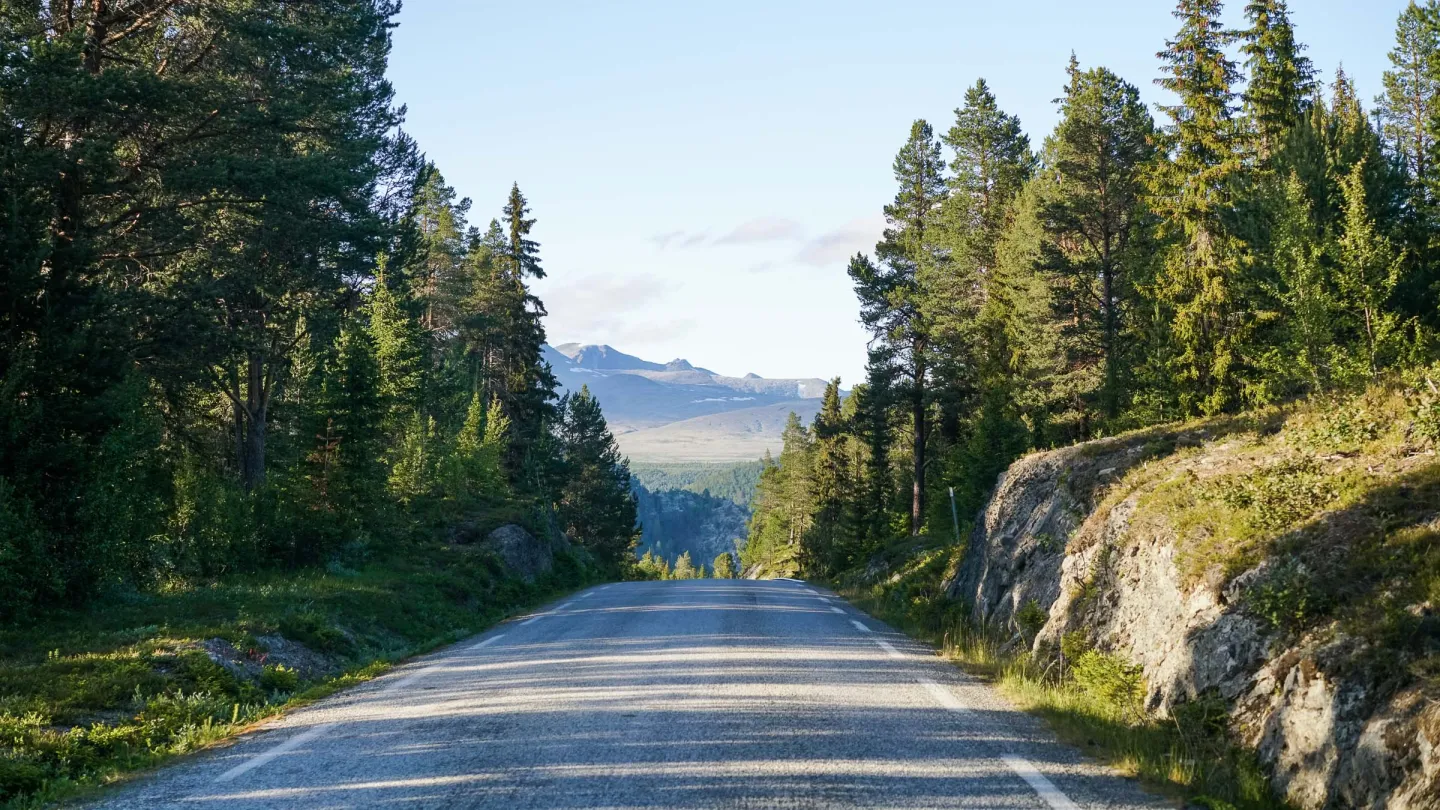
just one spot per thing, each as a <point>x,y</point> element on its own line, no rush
<point>1030,618</point>
<point>733,482</point>
<point>1278,495</point>
<point>1288,598</point>
<point>1109,679</point>
<point>279,678</point>
<point>596,507</point>
<point>723,566</point>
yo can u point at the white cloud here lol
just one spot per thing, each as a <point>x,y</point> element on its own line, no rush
<point>607,309</point>
<point>763,229</point>
<point>837,246</point>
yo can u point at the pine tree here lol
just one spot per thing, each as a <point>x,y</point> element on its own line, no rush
<point>440,272</point>
<point>1410,105</point>
<point>1282,79</point>
<point>891,294</point>
<point>992,161</point>
<point>1092,207</point>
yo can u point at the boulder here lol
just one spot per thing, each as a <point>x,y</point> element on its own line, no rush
<point>522,554</point>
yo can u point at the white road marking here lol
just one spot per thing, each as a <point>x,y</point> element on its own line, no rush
<point>944,696</point>
<point>562,607</point>
<point>810,591</point>
<point>885,645</point>
<point>587,594</point>
<point>283,748</point>
<point>1041,785</point>
<point>487,642</point>
<point>862,628</point>
<point>534,618</point>
<point>837,610</point>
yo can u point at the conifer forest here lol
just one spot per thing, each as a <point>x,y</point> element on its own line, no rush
<point>244,322</point>
<point>1269,236</point>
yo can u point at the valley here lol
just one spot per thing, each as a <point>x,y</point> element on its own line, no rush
<point>677,412</point>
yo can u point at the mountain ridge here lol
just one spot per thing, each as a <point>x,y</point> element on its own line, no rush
<point>677,411</point>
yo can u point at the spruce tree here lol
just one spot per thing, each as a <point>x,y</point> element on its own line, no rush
<point>892,295</point>
<point>1282,80</point>
<point>1368,270</point>
<point>831,484</point>
<point>596,507</point>
<point>400,345</point>
<point>346,467</point>
<point>1201,287</point>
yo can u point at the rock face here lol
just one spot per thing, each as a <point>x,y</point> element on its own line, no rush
<point>1062,531</point>
<point>521,553</point>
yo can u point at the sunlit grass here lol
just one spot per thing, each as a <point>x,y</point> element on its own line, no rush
<point>87,697</point>
<point>1188,757</point>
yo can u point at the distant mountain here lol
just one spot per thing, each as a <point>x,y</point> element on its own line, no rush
<point>668,412</point>
<point>738,435</point>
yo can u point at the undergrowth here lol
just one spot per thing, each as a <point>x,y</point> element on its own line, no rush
<point>87,696</point>
<point>1089,698</point>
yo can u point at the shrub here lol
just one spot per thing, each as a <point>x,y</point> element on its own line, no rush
<point>1118,685</point>
<point>1030,618</point>
<point>1287,598</point>
<point>279,678</point>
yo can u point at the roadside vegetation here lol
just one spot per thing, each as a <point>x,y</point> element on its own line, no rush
<point>1090,699</point>
<point>264,388</point>
<point>1331,502</point>
<point>1255,257</point>
<point>87,696</point>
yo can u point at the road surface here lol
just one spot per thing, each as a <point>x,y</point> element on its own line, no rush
<point>702,693</point>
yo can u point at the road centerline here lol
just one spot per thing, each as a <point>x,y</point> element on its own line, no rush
<point>861,627</point>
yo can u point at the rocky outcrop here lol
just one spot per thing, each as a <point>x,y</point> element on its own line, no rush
<point>1073,531</point>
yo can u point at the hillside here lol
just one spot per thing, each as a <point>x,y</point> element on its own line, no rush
<point>1274,575</point>
<point>733,482</point>
<point>677,522</point>
<point>679,412</point>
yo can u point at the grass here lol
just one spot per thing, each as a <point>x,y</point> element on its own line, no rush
<point>1089,699</point>
<point>87,697</point>
<point>1092,704</point>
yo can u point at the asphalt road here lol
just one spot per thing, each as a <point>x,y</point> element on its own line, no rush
<point>656,695</point>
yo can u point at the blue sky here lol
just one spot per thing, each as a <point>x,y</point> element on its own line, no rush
<point>702,171</point>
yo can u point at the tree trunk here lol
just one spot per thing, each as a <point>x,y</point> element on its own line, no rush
<point>252,423</point>
<point>917,405</point>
